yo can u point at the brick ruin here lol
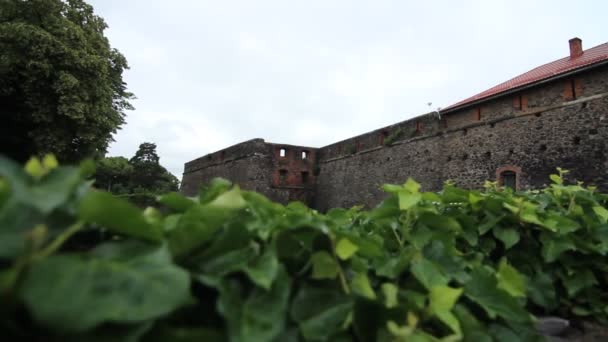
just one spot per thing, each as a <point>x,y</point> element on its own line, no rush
<point>516,133</point>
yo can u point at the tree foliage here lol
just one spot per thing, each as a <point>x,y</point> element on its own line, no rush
<point>61,86</point>
<point>141,177</point>
<point>230,265</point>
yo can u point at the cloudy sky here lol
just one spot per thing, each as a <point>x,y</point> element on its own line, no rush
<point>209,74</point>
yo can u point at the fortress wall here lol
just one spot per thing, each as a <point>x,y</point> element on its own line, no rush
<point>248,164</point>
<point>256,165</point>
<point>421,125</point>
<point>357,179</point>
<point>554,130</point>
<point>559,123</point>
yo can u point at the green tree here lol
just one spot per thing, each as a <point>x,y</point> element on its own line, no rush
<point>140,178</point>
<point>114,175</point>
<point>148,174</point>
<point>61,86</point>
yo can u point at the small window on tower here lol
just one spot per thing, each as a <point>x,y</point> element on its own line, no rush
<point>282,152</point>
<point>304,154</point>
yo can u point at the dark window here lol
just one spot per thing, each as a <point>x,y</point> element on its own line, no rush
<point>478,114</point>
<point>304,154</point>
<point>282,177</point>
<point>508,179</point>
<point>518,103</point>
<point>282,152</point>
<point>383,137</point>
<point>573,89</point>
<point>304,177</point>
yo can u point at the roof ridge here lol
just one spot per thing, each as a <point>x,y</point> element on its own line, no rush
<point>557,67</point>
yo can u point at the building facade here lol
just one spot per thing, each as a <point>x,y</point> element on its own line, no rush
<point>516,133</point>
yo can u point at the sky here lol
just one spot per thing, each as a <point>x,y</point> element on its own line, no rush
<point>210,74</point>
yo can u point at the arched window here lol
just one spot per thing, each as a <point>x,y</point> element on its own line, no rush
<point>508,177</point>
<point>282,153</point>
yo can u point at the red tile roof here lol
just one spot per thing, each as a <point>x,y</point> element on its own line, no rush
<point>549,70</point>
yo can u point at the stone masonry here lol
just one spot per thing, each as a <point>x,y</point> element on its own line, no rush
<point>518,136</point>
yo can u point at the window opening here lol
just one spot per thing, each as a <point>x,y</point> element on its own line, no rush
<point>282,177</point>
<point>478,114</point>
<point>573,89</point>
<point>304,154</point>
<point>519,103</point>
<point>282,152</point>
<point>508,179</point>
<point>304,177</point>
<point>383,137</point>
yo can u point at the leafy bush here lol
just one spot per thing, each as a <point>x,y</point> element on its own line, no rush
<point>229,265</point>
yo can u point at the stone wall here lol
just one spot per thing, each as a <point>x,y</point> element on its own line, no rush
<point>561,123</point>
<point>548,128</point>
<point>258,166</point>
<point>247,164</point>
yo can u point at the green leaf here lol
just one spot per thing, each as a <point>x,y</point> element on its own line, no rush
<point>176,202</point>
<point>49,162</point>
<point>16,220</point>
<point>441,301</point>
<point>483,289</point>
<point>324,266</point>
<point>407,199</point>
<point>257,316</point>
<point>508,236</point>
<point>117,215</point>
<point>232,199</point>
<point>124,283</point>
<point>34,168</point>
<point>361,286</point>
<point>54,189</point>
<point>560,224</point>
<point>435,221</point>
<point>412,186</point>
<point>264,269</point>
<point>390,292</point>
<point>320,312</point>
<point>556,179</point>
<point>216,187</point>
<point>443,298</point>
<point>232,250</point>
<point>450,320</point>
<point>392,188</point>
<point>200,222</point>
<point>553,247</point>
<point>345,249</point>
<point>392,266</point>
<point>602,213</point>
<point>510,280</point>
<point>473,330</point>
<point>541,291</point>
<point>490,223</point>
<point>579,280</point>
<point>428,274</point>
